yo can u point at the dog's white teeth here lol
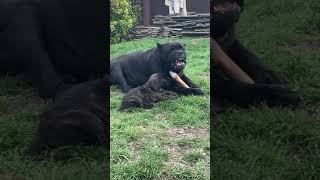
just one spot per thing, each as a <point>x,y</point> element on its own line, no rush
<point>173,74</point>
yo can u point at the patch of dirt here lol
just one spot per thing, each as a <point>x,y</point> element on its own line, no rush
<point>176,152</point>
<point>150,132</point>
<point>188,133</point>
<point>176,155</point>
<point>134,146</point>
<point>142,127</point>
<point>162,116</point>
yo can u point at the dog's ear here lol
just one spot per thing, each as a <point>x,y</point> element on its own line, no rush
<point>159,45</point>
<point>184,45</point>
<point>153,82</point>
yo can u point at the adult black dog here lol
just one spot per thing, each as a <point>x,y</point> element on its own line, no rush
<point>269,86</point>
<point>53,43</point>
<point>78,116</point>
<point>134,69</point>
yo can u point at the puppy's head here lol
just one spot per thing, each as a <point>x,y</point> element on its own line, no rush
<point>156,81</point>
<point>173,56</point>
<point>224,15</point>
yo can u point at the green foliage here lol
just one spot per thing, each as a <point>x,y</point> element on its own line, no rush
<point>123,18</point>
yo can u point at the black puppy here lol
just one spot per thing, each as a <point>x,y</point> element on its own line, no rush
<point>79,115</point>
<point>269,86</point>
<point>159,87</point>
<point>154,90</point>
<point>134,69</point>
<point>48,41</point>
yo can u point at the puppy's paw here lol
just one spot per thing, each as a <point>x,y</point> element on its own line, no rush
<point>285,96</point>
<point>267,76</point>
<point>197,91</point>
<point>148,106</point>
<point>274,78</point>
<point>126,89</point>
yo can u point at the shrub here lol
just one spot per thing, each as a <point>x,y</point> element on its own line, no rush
<point>123,18</point>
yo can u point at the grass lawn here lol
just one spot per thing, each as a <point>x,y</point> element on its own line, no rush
<point>20,110</point>
<point>170,141</point>
<point>275,143</point>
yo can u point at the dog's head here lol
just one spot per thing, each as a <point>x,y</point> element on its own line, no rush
<point>224,15</point>
<point>172,56</point>
<point>157,81</point>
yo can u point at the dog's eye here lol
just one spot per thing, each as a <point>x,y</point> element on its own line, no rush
<point>178,46</point>
<point>173,48</point>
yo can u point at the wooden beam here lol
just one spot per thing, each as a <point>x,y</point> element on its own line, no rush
<point>146,12</point>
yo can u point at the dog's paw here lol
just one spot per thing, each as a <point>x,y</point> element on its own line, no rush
<point>197,91</point>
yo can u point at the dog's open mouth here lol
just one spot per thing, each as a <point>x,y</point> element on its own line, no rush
<point>226,7</point>
<point>180,62</point>
<point>178,65</point>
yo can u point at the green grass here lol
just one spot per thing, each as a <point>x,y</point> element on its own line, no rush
<point>170,141</point>
<point>275,143</point>
<point>20,109</point>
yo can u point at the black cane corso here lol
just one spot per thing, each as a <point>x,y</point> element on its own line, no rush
<point>134,69</point>
<point>268,87</point>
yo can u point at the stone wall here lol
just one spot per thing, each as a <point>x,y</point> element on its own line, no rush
<point>177,26</point>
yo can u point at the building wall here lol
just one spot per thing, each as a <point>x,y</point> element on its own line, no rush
<point>199,6</point>
<point>157,7</point>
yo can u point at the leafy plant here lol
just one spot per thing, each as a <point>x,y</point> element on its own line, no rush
<point>124,17</point>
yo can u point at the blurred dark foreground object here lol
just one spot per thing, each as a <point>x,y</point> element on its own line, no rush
<point>78,116</point>
<point>54,43</point>
<point>59,47</point>
<point>268,86</point>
